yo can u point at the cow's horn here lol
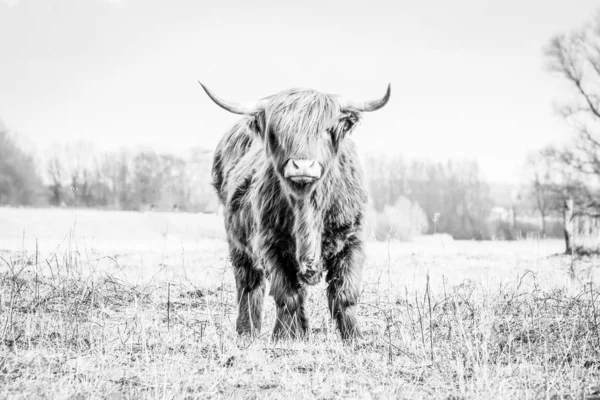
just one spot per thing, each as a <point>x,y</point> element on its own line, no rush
<point>236,108</point>
<point>371,105</point>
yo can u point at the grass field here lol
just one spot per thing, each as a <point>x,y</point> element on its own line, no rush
<point>99,304</point>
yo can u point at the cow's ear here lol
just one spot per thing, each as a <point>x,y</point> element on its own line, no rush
<point>345,125</point>
<point>257,124</point>
<point>348,121</point>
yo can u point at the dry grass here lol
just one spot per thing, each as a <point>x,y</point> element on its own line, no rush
<point>78,323</point>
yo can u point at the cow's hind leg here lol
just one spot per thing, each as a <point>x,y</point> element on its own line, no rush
<point>251,285</point>
<point>290,298</point>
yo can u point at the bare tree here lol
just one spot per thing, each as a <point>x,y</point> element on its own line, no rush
<point>55,170</point>
<point>72,169</point>
<point>116,171</point>
<point>576,58</point>
<point>543,184</point>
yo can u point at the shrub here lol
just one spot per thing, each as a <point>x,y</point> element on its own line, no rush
<point>402,221</point>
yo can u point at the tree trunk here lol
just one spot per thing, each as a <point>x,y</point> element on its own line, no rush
<point>568,225</point>
<point>543,224</point>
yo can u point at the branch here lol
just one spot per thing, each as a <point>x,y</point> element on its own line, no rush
<point>594,109</point>
<point>568,158</point>
<point>592,48</point>
<point>595,61</point>
<point>568,55</point>
<point>587,136</point>
<point>567,111</point>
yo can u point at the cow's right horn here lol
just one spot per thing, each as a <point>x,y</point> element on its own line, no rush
<point>236,108</point>
<point>371,105</point>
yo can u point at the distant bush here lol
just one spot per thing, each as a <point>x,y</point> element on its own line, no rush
<point>402,221</point>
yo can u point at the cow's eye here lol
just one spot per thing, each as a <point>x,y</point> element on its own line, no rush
<point>347,124</point>
<point>272,140</point>
<point>332,133</point>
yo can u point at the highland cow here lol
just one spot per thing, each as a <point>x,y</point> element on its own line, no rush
<point>291,185</point>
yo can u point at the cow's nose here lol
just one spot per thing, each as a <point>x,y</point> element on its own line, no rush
<point>302,170</point>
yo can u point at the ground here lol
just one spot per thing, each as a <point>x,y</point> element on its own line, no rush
<point>99,304</point>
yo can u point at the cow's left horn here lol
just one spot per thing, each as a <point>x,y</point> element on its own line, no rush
<point>371,105</point>
<point>236,108</point>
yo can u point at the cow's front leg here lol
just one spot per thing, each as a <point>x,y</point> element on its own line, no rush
<point>290,298</point>
<point>251,285</point>
<point>343,278</point>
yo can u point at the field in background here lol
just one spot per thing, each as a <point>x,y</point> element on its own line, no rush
<point>128,304</point>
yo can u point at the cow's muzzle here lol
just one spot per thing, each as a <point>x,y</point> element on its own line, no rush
<point>309,273</point>
<point>302,171</point>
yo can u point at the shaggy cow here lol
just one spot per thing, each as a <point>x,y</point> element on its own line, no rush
<point>291,184</point>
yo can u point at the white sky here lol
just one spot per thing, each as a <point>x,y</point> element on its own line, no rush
<point>467,76</point>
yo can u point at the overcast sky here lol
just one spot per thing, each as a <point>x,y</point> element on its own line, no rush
<point>468,76</point>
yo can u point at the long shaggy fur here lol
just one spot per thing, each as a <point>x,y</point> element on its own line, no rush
<point>293,239</point>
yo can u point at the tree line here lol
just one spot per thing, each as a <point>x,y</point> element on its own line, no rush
<point>76,175</point>
<point>406,197</point>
